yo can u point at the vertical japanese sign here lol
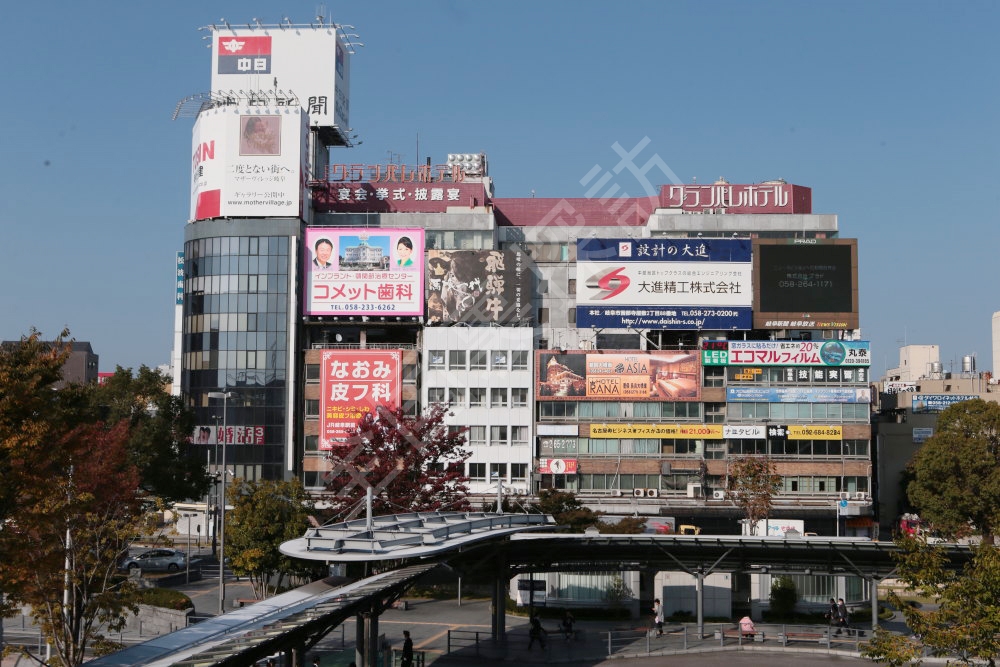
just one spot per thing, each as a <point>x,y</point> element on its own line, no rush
<point>354,383</point>
<point>365,272</point>
<point>478,286</point>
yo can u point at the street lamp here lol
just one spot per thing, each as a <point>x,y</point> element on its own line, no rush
<point>224,395</point>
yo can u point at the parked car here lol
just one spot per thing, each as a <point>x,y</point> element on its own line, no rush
<point>170,560</point>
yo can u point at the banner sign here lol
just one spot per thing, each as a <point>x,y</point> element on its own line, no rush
<point>798,394</point>
<point>786,353</point>
<point>354,383</point>
<point>898,387</point>
<point>230,434</point>
<point>478,286</point>
<point>937,402</point>
<point>675,431</point>
<point>738,431</point>
<point>802,374</point>
<point>618,375</point>
<point>815,432</point>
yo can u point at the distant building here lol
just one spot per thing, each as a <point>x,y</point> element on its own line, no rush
<point>80,368</point>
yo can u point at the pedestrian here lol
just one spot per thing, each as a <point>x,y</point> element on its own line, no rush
<point>316,662</point>
<point>658,617</point>
<point>407,658</point>
<point>567,624</point>
<point>833,615</point>
<point>747,628</point>
<point>536,631</point>
<point>843,616</point>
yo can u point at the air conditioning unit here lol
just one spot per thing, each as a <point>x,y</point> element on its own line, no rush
<point>861,495</point>
<point>695,491</point>
<point>718,494</point>
<point>845,495</point>
<point>639,493</point>
<point>652,493</point>
<point>616,493</point>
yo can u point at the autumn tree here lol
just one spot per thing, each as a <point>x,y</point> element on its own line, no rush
<point>265,514</point>
<point>962,617</point>
<point>412,464</point>
<point>567,510</point>
<point>956,472</point>
<point>753,483</point>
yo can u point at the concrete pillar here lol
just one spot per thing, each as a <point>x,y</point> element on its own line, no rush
<point>359,639</point>
<point>874,595</point>
<point>701,603</point>
<point>498,622</point>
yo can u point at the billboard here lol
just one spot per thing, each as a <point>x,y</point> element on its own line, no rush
<point>230,434</point>
<point>771,197</point>
<point>801,374</point>
<point>785,353</point>
<point>664,283</point>
<point>798,394</point>
<point>674,431</point>
<point>248,163</point>
<point>478,286</point>
<point>393,196</point>
<point>557,466</point>
<point>353,383</point>
<point>363,272</point>
<point>308,67</point>
<point>937,402</point>
<point>618,375</point>
<point>805,283</point>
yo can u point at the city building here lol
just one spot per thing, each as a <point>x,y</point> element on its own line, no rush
<point>80,366</point>
<point>623,349</point>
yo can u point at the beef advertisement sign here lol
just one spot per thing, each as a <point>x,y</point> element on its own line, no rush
<point>473,286</point>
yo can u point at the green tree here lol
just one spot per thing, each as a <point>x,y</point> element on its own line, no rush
<point>963,617</point>
<point>956,473</point>
<point>265,514</point>
<point>413,464</point>
<point>753,483</point>
<point>783,597</point>
<point>617,592</point>
<point>566,510</point>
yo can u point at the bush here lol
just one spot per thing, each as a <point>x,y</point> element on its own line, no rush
<point>165,598</point>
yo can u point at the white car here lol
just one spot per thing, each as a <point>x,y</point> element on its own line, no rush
<point>170,560</point>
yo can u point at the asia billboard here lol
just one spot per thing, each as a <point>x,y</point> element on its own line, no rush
<point>307,67</point>
<point>664,283</point>
<point>363,272</point>
<point>805,283</point>
<point>478,286</point>
<point>785,353</point>
<point>618,375</point>
<point>248,163</point>
<point>354,383</point>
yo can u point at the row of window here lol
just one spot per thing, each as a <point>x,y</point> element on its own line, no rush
<point>216,266</point>
<point>775,412</point>
<point>497,471</point>
<point>601,409</point>
<point>477,360</point>
<point>709,449</point>
<point>217,322</point>
<point>518,397</point>
<point>236,245</point>
<point>232,283</point>
<point>677,483</point>
<point>499,436</point>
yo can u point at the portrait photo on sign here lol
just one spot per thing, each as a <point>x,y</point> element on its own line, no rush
<point>260,135</point>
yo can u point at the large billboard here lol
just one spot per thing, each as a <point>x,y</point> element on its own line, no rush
<point>354,383</point>
<point>306,67</point>
<point>797,374</point>
<point>664,283</point>
<point>363,271</point>
<point>773,197</point>
<point>785,353</point>
<point>805,284</point>
<point>248,162</point>
<point>478,286</point>
<point>922,403</point>
<point>618,375</point>
<point>798,394</point>
<point>391,195</point>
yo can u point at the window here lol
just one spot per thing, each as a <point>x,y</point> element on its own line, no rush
<point>520,434</point>
<point>477,436</point>
<point>498,397</point>
<point>312,373</point>
<point>456,396</point>
<point>519,360</point>
<point>312,409</point>
<point>435,395</point>
<point>456,360</point>
<point>498,435</point>
<point>499,359</point>
<point>543,315</point>
<point>312,443</point>
<point>518,471</point>
<point>715,376</point>
<point>498,471</point>
<point>543,286</point>
<point>477,397</point>
<point>571,315</point>
<point>477,472</point>
<point>519,397</point>
<point>571,286</point>
<point>436,359</point>
<point>477,359</point>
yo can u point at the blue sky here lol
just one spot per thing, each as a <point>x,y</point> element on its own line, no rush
<point>888,111</point>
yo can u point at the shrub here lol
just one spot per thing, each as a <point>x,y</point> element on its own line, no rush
<point>165,598</point>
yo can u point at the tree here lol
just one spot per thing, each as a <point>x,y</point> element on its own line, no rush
<point>753,483</point>
<point>957,471</point>
<point>783,597</point>
<point>159,434</point>
<point>265,514</point>
<point>413,464</point>
<point>963,617</point>
<point>567,510</point>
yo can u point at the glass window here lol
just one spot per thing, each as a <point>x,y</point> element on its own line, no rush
<point>312,373</point>
<point>499,359</point>
<point>436,359</point>
<point>571,286</point>
<point>571,315</point>
<point>498,397</point>
<point>456,396</point>
<point>498,435</point>
<point>312,409</point>
<point>519,397</point>
<point>498,471</point>
<point>477,436</point>
<point>435,395</point>
<point>477,397</point>
<point>520,435</point>
<point>456,360</point>
<point>477,472</point>
<point>477,359</point>
<point>519,360</point>
<point>543,315</point>
<point>518,471</point>
<point>312,443</point>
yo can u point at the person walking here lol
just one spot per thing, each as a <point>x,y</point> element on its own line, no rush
<point>833,615</point>
<point>567,624</point>
<point>536,631</point>
<point>406,660</point>
<point>658,617</point>
<point>843,617</point>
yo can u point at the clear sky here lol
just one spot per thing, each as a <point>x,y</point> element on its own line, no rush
<point>887,110</point>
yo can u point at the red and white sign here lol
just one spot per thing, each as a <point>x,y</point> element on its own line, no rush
<point>726,198</point>
<point>557,466</point>
<point>248,163</point>
<point>354,383</point>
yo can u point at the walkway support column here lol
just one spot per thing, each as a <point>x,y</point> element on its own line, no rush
<point>498,622</point>
<point>701,603</point>
<point>874,595</point>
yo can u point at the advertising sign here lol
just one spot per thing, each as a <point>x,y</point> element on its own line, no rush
<point>815,432</point>
<point>675,431</point>
<point>805,283</point>
<point>798,394</point>
<point>557,466</point>
<point>799,374</point>
<point>738,431</point>
<point>354,383</point>
<point>618,375</point>
<point>307,67</point>
<point>396,197</point>
<point>937,402</point>
<point>777,197</point>
<point>788,353</point>
<point>180,278</point>
<point>231,434</point>
<point>664,283</point>
<point>248,163</point>
<point>898,386</point>
<point>363,272</point>
<point>480,286</point>
<point>920,435</point>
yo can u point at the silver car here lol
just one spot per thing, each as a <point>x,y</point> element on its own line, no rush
<point>170,560</point>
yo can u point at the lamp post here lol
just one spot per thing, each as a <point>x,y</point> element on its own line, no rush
<point>224,395</point>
